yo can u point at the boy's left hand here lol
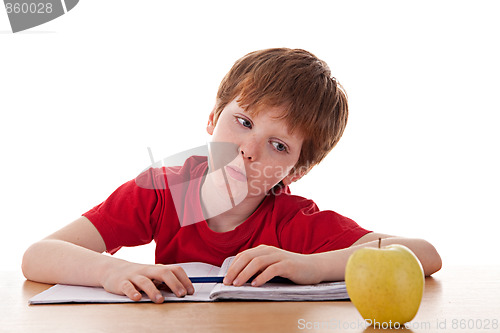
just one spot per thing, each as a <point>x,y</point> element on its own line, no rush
<point>271,261</point>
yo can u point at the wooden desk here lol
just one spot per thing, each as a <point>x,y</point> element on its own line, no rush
<point>456,299</point>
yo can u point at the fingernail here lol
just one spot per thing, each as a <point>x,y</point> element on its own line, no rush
<point>181,292</point>
<point>136,295</point>
<point>159,298</point>
<point>254,283</point>
<point>236,282</point>
<point>190,290</point>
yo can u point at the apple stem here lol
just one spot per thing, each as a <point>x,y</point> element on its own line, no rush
<point>379,242</point>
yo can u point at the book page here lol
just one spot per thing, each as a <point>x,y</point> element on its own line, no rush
<point>279,291</point>
<point>225,266</point>
<point>79,294</point>
<point>327,291</point>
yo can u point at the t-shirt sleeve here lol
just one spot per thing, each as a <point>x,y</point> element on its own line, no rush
<point>128,216</point>
<point>309,230</point>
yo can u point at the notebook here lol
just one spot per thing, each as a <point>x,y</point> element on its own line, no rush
<point>204,292</point>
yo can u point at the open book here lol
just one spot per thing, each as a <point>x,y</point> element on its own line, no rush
<point>204,292</point>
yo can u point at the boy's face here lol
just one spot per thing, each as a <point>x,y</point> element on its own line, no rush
<point>269,151</point>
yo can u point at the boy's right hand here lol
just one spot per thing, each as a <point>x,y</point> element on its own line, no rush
<point>73,255</point>
<point>126,278</point>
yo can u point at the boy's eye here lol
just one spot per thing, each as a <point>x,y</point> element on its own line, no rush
<point>244,122</point>
<point>279,146</point>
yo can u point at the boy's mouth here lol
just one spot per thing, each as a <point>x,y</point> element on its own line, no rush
<point>236,173</point>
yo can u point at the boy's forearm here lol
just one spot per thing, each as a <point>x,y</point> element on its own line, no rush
<point>333,263</point>
<point>55,261</point>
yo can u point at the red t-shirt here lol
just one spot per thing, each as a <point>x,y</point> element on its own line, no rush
<point>143,209</point>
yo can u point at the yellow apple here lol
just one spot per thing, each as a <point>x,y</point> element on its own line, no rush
<point>385,284</point>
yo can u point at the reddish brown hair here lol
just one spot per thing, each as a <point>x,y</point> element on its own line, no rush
<point>315,103</point>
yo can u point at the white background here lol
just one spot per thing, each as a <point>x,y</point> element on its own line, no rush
<point>83,96</point>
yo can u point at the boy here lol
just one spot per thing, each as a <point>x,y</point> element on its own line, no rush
<point>283,112</point>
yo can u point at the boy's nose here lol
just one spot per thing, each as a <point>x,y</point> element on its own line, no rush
<point>246,155</point>
<point>249,147</point>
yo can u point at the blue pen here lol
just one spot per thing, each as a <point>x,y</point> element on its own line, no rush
<point>206,279</point>
<point>219,279</point>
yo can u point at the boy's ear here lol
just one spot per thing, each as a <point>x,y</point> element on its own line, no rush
<point>210,124</point>
<point>293,176</point>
